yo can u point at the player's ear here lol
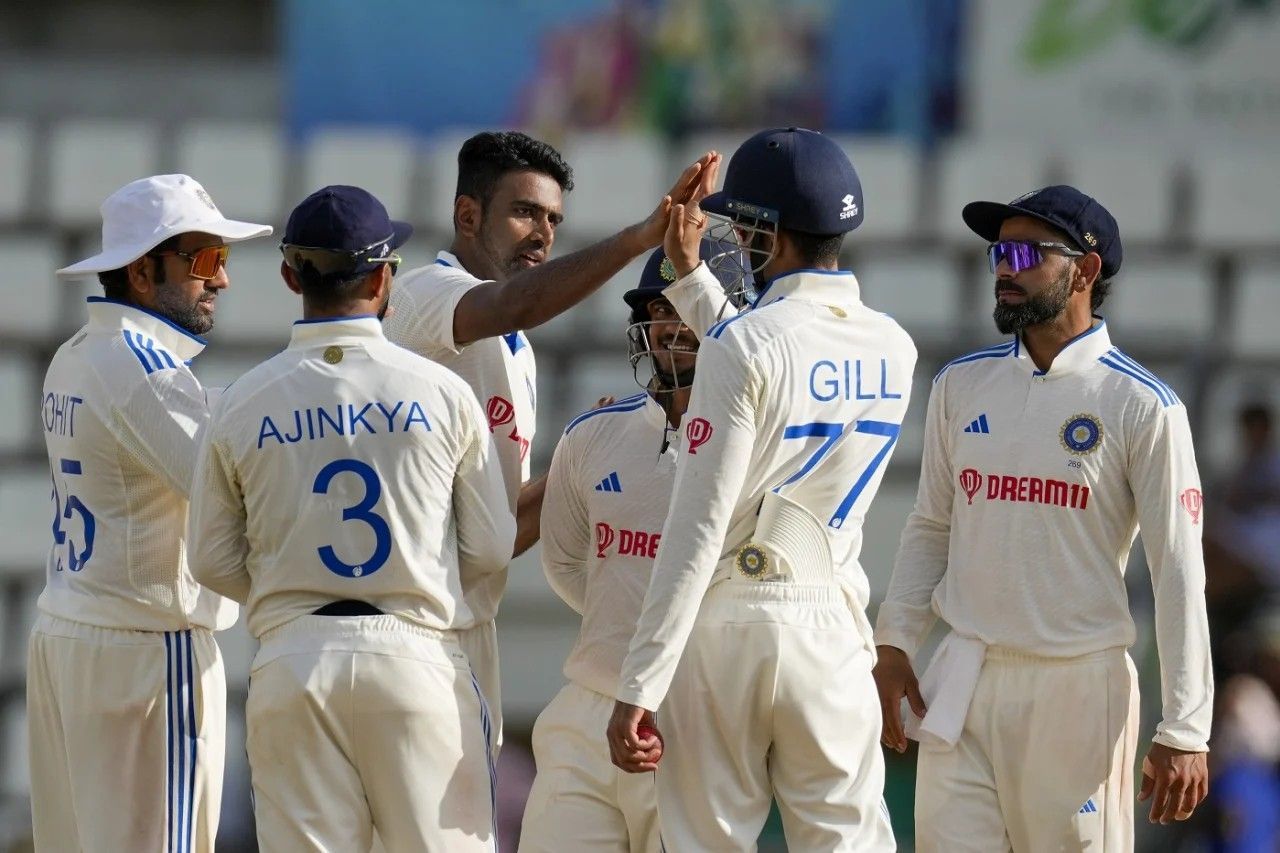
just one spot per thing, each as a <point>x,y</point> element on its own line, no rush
<point>467,214</point>
<point>1088,269</point>
<point>290,278</point>
<point>141,275</point>
<point>379,281</point>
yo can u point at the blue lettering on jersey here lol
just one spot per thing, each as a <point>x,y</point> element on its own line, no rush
<point>58,413</point>
<point>313,424</point>
<point>829,380</point>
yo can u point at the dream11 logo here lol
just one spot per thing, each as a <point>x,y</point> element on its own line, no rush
<point>970,481</point>
<point>604,538</point>
<point>1192,501</point>
<point>698,432</point>
<point>500,412</point>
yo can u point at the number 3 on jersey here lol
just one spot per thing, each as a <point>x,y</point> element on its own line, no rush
<point>75,561</point>
<point>360,512</point>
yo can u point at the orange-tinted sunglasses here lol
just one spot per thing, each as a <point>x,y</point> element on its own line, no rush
<point>205,262</point>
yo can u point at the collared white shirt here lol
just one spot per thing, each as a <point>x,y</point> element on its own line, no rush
<point>121,413</point>
<point>607,495</point>
<point>502,371</point>
<point>349,468</point>
<point>804,394</point>
<point>1032,489</point>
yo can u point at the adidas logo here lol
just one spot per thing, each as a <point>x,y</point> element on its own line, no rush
<point>979,425</point>
<point>610,484</point>
<point>1088,807</point>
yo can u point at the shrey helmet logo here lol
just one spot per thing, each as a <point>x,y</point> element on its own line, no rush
<point>698,432</point>
<point>604,538</point>
<point>1192,501</point>
<point>970,481</point>
<point>850,207</point>
<point>499,412</point>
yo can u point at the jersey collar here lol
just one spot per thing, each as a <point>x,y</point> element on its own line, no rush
<point>113,316</point>
<point>336,330</point>
<point>1082,350</point>
<point>826,287</point>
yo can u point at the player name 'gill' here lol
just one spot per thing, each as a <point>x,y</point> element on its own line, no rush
<point>346,419</point>
<point>843,379</point>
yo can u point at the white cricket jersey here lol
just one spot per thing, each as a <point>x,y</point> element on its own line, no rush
<point>121,413</point>
<point>348,468</point>
<point>500,370</point>
<point>804,394</point>
<point>1032,488</point>
<point>607,495</point>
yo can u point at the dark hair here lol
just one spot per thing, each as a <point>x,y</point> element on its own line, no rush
<point>487,156</point>
<point>817,249</point>
<point>115,283</point>
<point>329,291</point>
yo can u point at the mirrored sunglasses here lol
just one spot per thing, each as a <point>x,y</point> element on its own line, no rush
<point>205,263</point>
<point>1025,254</point>
<point>339,262</point>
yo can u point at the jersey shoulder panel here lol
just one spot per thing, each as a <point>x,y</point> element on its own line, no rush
<point>601,417</point>
<point>981,358</point>
<point>1138,378</point>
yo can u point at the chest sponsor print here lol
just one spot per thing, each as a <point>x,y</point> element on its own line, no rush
<point>1013,488</point>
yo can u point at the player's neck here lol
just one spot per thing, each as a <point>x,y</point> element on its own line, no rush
<point>1045,340</point>
<point>473,260</point>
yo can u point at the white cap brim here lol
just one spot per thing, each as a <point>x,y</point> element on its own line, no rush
<point>230,230</point>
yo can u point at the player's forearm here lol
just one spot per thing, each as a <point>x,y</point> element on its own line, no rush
<point>906,616</point>
<point>529,514</point>
<point>699,300</point>
<point>1182,640</point>
<point>534,296</point>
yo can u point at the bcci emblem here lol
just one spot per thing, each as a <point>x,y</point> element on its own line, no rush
<point>752,562</point>
<point>667,270</point>
<point>1082,434</point>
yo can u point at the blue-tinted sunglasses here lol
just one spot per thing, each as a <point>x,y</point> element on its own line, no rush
<point>1025,254</point>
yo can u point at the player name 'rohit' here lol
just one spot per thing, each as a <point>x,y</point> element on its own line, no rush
<point>345,419</point>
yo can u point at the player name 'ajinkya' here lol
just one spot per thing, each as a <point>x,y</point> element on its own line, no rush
<point>349,419</point>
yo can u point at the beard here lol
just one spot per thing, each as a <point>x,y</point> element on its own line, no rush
<point>173,306</point>
<point>1043,307</point>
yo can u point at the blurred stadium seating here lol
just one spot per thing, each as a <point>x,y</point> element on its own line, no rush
<point>1198,301</point>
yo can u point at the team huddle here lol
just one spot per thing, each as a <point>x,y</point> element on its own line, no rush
<point>361,494</point>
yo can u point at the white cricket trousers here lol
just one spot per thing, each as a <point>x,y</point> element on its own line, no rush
<point>127,738</point>
<point>773,697</point>
<point>1045,761</point>
<point>364,722</point>
<point>580,802</point>
<point>480,643</point>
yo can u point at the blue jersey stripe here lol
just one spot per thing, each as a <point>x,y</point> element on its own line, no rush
<point>137,351</point>
<point>487,727</point>
<point>189,840</point>
<point>180,776</point>
<point>170,805</point>
<point>718,329</point>
<point>998,351</point>
<point>1125,358</point>
<point>627,404</point>
<point>1164,397</point>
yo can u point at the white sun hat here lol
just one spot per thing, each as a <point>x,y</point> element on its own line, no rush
<point>140,216</point>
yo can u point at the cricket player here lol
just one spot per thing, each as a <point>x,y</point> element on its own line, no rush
<point>753,651</point>
<point>607,495</point>
<point>1043,456</point>
<point>126,699</point>
<point>347,493</point>
<point>468,311</point>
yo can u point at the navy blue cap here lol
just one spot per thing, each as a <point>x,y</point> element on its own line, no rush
<point>343,219</point>
<point>799,176</point>
<point>1089,225</point>
<point>658,273</point>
